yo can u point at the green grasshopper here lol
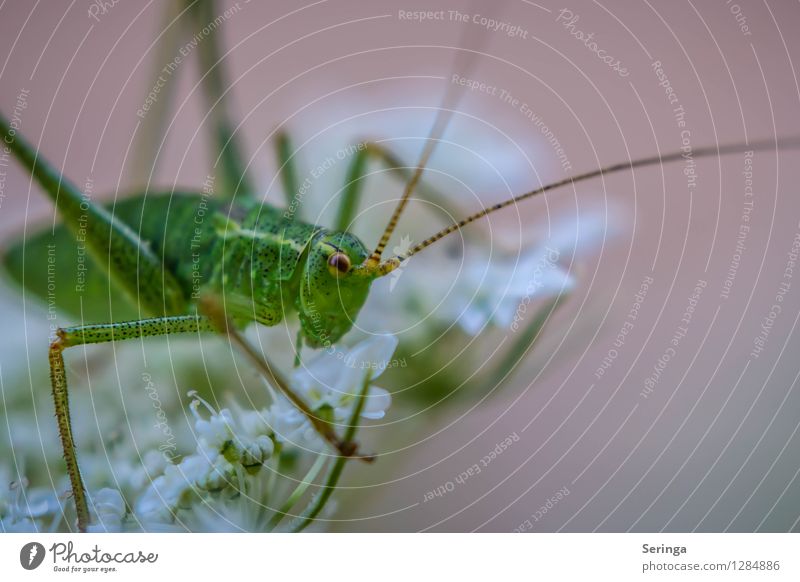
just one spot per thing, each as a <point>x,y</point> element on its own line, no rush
<point>188,263</point>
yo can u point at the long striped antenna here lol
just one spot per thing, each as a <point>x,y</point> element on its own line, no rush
<point>442,119</point>
<point>463,63</point>
<point>391,264</point>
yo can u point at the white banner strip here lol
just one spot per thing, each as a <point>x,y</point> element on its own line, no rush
<point>354,557</point>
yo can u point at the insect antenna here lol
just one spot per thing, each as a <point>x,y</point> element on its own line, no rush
<point>443,118</point>
<point>464,63</point>
<point>389,265</point>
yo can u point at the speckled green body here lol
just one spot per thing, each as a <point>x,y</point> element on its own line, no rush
<point>162,252</point>
<point>264,263</point>
<point>159,256</point>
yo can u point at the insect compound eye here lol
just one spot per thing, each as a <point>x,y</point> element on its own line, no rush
<point>338,263</point>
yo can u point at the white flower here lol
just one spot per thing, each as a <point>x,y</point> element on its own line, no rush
<point>332,380</point>
<point>247,511</point>
<point>178,486</point>
<point>244,439</point>
<point>495,289</point>
<point>498,289</point>
<point>24,509</point>
<point>291,426</point>
<point>163,496</point>
<point>21,525</point>
<point>214,432</point>
<point>107,511</point>
<point>151,463</point>
<point>226,444</point>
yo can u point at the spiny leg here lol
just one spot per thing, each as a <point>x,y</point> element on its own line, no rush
<point>119,251</point>
<point>213,308</point>
<point>58,381</point>
<point>92,334</point>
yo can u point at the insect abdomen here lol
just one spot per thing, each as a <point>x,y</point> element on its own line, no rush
<point>179,229</point>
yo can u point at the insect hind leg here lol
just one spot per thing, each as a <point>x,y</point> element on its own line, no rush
<point>58,382</point>
<point>92,334</point>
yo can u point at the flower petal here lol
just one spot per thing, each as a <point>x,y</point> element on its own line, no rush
<point>377,403</point>
<point>373,353</point>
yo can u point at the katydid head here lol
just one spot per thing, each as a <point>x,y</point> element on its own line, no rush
<point>334,287</point>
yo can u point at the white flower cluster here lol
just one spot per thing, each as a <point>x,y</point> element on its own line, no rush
<point>227,446</point>
<point>233,444</point>
<point>330,382</point>
<point>21,507</point>
<point>221,485</point>
<point>494,288</point>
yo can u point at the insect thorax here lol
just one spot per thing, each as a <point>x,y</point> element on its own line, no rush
<point>258,260</point>
<point>264,264</point>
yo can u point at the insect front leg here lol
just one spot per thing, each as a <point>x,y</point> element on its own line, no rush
<point>92,334</point>
<point>213,307</point>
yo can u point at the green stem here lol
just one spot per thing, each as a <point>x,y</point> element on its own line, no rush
<point>276,460</point>
<point>318,504</point>
<point>297,493</point>
<point>505,370</point>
